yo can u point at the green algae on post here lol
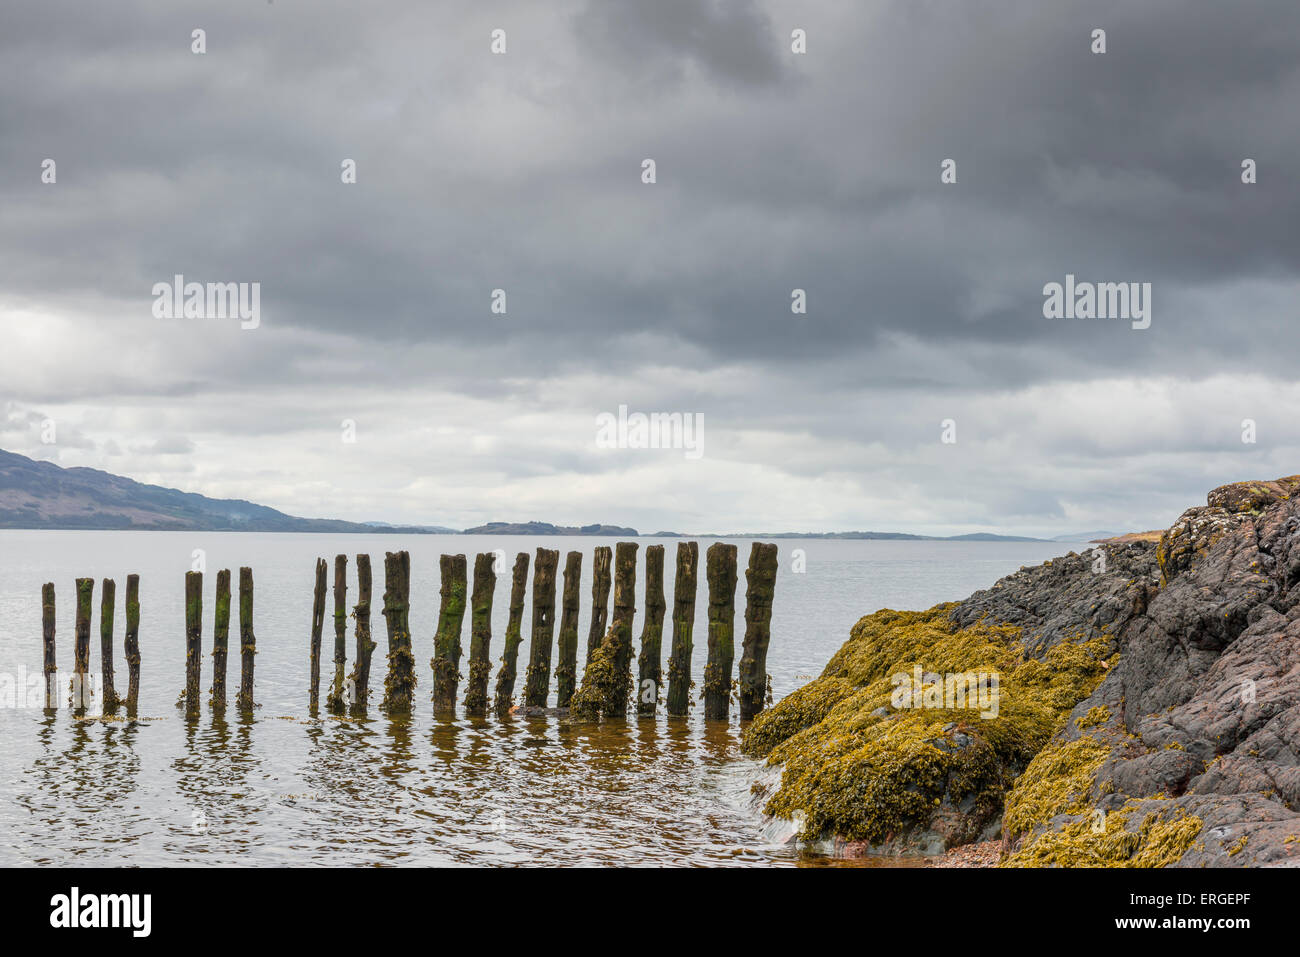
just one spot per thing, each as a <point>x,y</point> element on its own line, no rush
<point>566,673</point>
<point>317,626</point>
<point>399,684</point>
<point>721,572</point>
<point>131,644</point>
<point>679,658</point>
<point>81,691</point>
<point>446,642</point>
<point>537,679</point>
<point>760,580</point>
<point>600,585</point>
<point>107,610</point>
<point>334,700</point>
<point>220,640</point>
<point>607,681</point>
<point>505,689</point>
<point>360,678</point>
<point>247,640</point>
<point>51,663</point>
<point>652,631</point>
<point>480,634</point>
<point>193,640</point>
<point>624,611</point>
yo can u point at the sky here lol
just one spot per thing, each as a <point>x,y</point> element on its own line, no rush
<point>923,390</point>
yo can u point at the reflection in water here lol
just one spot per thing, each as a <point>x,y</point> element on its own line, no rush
<point>526,789</point>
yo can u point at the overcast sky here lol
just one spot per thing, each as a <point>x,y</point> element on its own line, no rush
<point>775,171</point>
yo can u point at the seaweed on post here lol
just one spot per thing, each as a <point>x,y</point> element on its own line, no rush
<point>446,642</point>
<point>721,573</point>
<point>505,688</point>
<point>652,630</point>
<point>537,679</point>
<point>679,657</point>
<point>760,580</point>
<point>480,634</point>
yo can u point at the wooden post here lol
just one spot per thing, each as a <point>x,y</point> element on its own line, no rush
<point>247,640</point>
<point>107,610</point>
<point>51,663</point>
<point>538,680</point>
<point>220,640</point>
<point>317,626</point>
<point>335,699</point>
<point>679,658</point>
<point>81,645</point>
<point>131,644</point>
<point>721,572</point>
<point>566,675</point>
<point>652,632</point>
<point>193,640</point>
<point>446,643</point>
<point>607,680</point>
<point>480,634</point>
<point>600,584</point>
<point>505,690</point>
<point>624,611</point>
<point>399,685</point>
<point>361,669</point>
<point>760,580</point>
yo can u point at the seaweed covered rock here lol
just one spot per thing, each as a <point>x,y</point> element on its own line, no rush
<point>1182,749</point>
<point>1206,696</point>
<point>912,735</point>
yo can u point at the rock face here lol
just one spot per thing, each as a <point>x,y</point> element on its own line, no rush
<point>1187,751</point>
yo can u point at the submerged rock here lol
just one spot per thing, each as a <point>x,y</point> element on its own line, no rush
<point>1148,707</point>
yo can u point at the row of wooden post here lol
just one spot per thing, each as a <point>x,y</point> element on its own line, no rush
<point>606,687</point>
<point>610,685</point>
<point>81,684</point>
<point>220,641</point>
<point>189,698</point>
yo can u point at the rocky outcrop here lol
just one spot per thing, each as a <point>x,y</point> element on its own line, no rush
<point>1185,751</point>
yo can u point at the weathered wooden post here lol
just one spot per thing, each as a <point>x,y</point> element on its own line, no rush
<point>81,645</point>
<point>566,674</point>
<point>399,685</point>
<point>600,585</point>
<point>365,647</point>
<point>721,572</point>
<point>760,580</point>
<point>131,644</point>
<point>652,632</point>
<point>220,640</point>
<point>51,662</point>
<point>247,640</point>
<point>607,681</point>
<point>480,634</point>
<point>107,610</point>
<point>193,640</point>
<point>505,690</point>
<point>624,612</point>
<point>317,626</point>
<point>334,701</point>
<point>679,657</point>
<point>81,687</point>
<point>537,682</point>
<point>446,642</point>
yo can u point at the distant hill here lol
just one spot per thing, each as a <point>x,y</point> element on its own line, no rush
<point>877,536</point>
<point>546,528</point>
<point>43,495</point>
<point>1084,536</point>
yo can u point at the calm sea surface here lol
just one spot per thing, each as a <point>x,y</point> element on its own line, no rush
<point>283,788</point>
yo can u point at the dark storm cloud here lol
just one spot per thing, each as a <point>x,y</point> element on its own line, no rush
<point>775,171</point>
